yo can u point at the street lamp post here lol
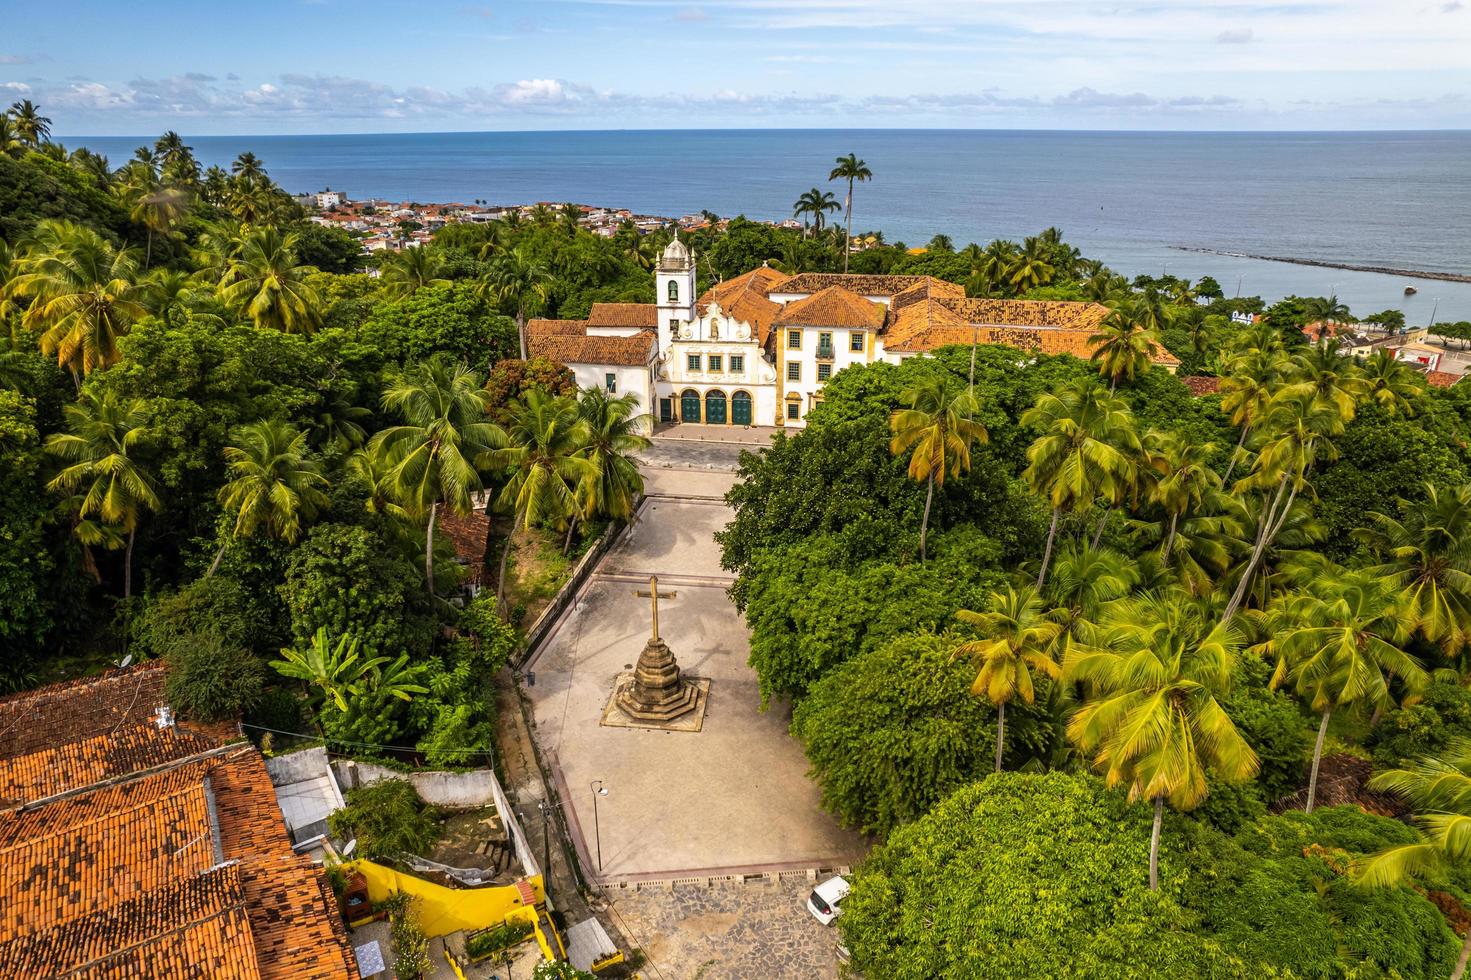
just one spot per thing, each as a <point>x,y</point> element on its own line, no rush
<point>598,789</point>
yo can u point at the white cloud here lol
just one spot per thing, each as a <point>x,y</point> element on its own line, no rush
<point>1240,36</point>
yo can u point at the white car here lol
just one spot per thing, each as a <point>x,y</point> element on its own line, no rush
<point>825,902</point>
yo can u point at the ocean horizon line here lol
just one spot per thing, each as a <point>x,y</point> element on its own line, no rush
<point>794,129</point>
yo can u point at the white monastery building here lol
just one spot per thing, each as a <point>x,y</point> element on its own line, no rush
<point>757,349</point>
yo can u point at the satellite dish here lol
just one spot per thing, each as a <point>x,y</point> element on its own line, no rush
<point>126,660</point>
<point>352,845</point>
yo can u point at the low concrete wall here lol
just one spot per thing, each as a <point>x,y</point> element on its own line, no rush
<point>295,767</point>
<point>453,789</point>
<point>558,605</point>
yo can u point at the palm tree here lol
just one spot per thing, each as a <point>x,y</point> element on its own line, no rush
<point>429,460</point>
<point>1016,635</point>
<point>30,125</point>
<point>11,145</point>
<point>1123,347</point>
<point>263,281</point>
<point>1086,450</point>
<point>614,434</point>
<point>337,674</point>
<point>1179,478</point>
<point>274,486</point>
<point>107,484</point>
<point>1392,385</point>
<point>1032,268</point>
<point>542,448</point>
<point>1338,641</point>
<point>157,207</point>
<point>1150,715</point>
<point>1439,791</point>
<point>84,294</point>
<point>814,204</point>
<point>1328,309</point>
<point>851,169</point>
<point>1330,377</point>
<point>1245,393</point>
<point>338,424</point>
<point>519,280</point>
<point>410,270</point>
<point>939,425</point>
<point>247,168</point>
<point>1426,552</point>
<point>1296,433</point>
<point>997,262</point>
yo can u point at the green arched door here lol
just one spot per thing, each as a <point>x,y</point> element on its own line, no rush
<point>740,408</point>
<point>715,407</point>
<point>689,406</point>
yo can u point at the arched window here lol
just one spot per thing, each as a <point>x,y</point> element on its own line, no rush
<point>674,290</point>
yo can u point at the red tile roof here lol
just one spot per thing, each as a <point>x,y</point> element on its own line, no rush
<point>863,285</point>
<point>78,709</point>
<point>834,306</point>
<point>744,298</point>
<point>1442,379</point>
<point>635,351</point>
<point>642,315</point>
<point>1201,385</point>
<point>564,328</point>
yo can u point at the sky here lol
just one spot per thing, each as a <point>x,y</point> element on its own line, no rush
<point>353,66</point>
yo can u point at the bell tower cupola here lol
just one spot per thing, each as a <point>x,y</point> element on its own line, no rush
<point>675,281</point>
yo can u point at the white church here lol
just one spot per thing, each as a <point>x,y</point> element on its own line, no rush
<point>757,349</point>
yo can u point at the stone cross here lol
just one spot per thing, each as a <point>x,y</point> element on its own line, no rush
<point>654,595</point>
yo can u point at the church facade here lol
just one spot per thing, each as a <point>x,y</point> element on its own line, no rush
<point>758,349</point>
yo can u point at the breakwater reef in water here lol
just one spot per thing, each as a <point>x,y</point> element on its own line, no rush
<point>1322,264</point>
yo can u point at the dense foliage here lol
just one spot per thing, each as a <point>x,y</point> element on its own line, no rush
<point>388,819</point>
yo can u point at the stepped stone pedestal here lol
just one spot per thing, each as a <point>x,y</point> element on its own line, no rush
<point>655,694</point>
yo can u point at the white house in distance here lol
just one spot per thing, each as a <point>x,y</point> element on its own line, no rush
<point>757,349</point>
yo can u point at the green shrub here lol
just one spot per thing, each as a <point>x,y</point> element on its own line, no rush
<point>1273,725</point>
<point>497,938</point>
<point>406,936</point>
<point>388,819</point>
<point>209,680</point>
<point>1424,729</point>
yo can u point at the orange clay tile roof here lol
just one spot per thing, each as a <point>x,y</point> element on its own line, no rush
<point>1442,379</point>
<point>1200,384</point>
<point>864,285</point>
<point>192,927</point>
<point>635,351</point>
<point>744,298</point>
<point>834,306</point>
<point>471,536</point>
<point>565,328</point>
<point>78,709</point>
<point>644,315</point>
<point>1029,313</point>
<point>928,288</point>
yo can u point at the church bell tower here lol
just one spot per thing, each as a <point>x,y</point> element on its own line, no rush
<point>674,281</point>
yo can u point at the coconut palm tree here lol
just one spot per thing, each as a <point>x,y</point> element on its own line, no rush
<point>32,127</point>
<point>997,262</point>
<point>1439,792</point>
<point>429,461</point>
<point>1296,432</point>
<point>263,281</point>
<point>1208,538</point>
<point>1150,714</point>
<point>615,432</point>
<point>157,207</point>
<point>1332,378</point>
<point>247,168</point>
<point>1327,309</point>
<point>339,424</point>
<point>939,425</point>
<point>11,145</point>
<point>1086,450</point>
<point>520,281</point>
<point>1392,385</point>
<point>1123,347</point>
<point>1178,477</point>
<point>1247,390</point>
<point>410,270</point>
<point>541,447</point>
<point>1338,640</point>
<point>851,169</point>
<point>1426,552</point>
<point>1016,635</point>
<point>1033,267</point>
<point>106,483</point>
<point>84,294</point>
<point>274,486</point>
<point>814,205</point>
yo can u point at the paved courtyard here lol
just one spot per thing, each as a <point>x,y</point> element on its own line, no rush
<point>759,931</point>
<point>732,796</point>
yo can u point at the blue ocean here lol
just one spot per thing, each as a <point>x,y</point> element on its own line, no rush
<point>1399,200</point>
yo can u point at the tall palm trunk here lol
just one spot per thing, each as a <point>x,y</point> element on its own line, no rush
<point>1317,761</point>
<point>214,565</point>
<point>1047,552</point>
<point>500,577</point>
<point>1159,816</point>
<point>1000,732</point>
<point>1270,524</point>
<point>128,566</point>
<point>924,524</point>
<point>1102,523</point>
<point>1170,540</point>
<point>521,331</point>
<point>1460,969</point>
<point>848,229</point>
<point>429,548</point>
<point>567,544</point>
<point>148,252</point>
<point>1236,454</point>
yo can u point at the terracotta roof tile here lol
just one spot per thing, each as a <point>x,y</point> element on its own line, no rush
<point>79,709</point>
<point>642,315</point>
<point>864,285</point>
<point>547,328</point>
<point>634,351</point>
<point>744,298</point>
<point>471,536</point>
<point>1442,379</point>
<point>1201,385</point>
<point>1029,313</point>
<point>834,306</point>
<point>928,288</point>
<point>70,765</point>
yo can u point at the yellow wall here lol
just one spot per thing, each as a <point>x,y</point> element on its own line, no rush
<point>445,910</point>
